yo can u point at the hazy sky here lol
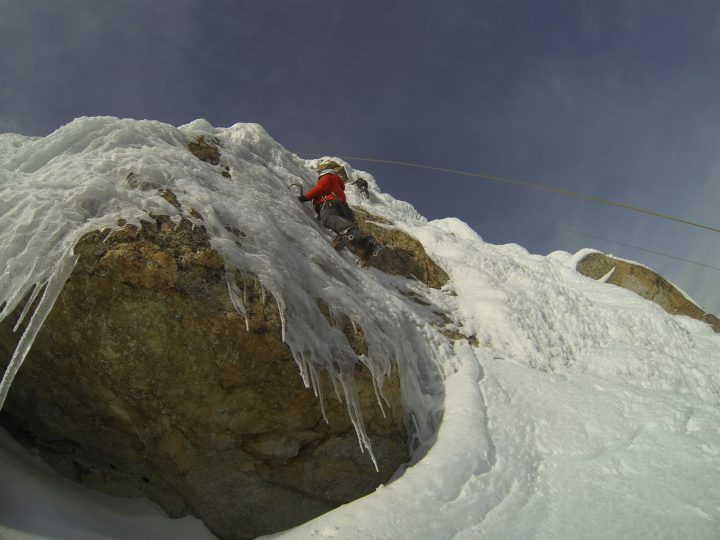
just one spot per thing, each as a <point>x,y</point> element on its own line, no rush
<point>615,99</point>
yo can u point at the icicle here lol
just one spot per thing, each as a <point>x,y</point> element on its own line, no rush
<point>53,288</point>
<point>314,380</point>
<point>337,390</point>
<point>317,388</point>
<point>378,393</point>
<point>11,302</point>
<point>302,365</point>
<point>107,236</point>
<point>282,321</point>
<point>36,290</point>
<point>355,413</point>
<point>234,293</point>
<point>418,441</point>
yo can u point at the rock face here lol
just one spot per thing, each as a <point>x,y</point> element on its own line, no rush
<point>205,151</point>
<point>403,255</point>
<point>145,382</point>
<point>646,283</point>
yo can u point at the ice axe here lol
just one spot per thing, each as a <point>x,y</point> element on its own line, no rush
<point>296,187</point>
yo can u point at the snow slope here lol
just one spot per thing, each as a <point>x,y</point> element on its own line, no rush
<point>584,411</point>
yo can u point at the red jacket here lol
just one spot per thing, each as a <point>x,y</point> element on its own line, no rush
<point>328,187</point>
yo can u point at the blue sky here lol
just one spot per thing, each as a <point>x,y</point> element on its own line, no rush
<point>613,99</point>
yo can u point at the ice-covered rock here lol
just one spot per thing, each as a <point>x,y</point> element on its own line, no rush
<point>207,330</point>
<point>145,381</point>
<point>645,282</point>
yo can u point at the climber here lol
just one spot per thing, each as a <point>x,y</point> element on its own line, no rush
<point>328,198</point>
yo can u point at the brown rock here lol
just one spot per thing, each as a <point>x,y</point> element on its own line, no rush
<point>403,255</point>
<point>713,321</point>
<point>144,382</point>
<point>644,282</point>
<point>170,197</point>
<point>205,151</point>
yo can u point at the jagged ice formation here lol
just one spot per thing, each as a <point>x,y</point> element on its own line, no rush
<point>97,173</point>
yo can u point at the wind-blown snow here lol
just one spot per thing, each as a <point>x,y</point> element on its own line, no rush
<point>583,411</point>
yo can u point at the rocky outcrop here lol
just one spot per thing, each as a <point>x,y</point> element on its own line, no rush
<point>403,255</point>
<point>209,153</point>
<point>145,382</point>
<point>205,151</point>
<point>646,283</point>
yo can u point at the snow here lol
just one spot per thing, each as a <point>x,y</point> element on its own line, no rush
<point>583,411</point>
<point>36,503</point>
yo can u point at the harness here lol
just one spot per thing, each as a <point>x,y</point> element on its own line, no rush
<point>325,198</point>
<point>342,208</point>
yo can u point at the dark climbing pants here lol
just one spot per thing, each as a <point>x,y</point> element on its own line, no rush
<point>337,216</point>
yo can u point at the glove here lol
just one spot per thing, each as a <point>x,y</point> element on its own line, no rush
<point>302,198</point>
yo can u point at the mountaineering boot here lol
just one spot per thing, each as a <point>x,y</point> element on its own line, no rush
<point>372,249</point>
<point>344,238</point>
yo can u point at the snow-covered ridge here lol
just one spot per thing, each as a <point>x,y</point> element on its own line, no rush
<point>583,411</point>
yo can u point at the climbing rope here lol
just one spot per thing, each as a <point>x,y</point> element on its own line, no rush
<point>532,185</point>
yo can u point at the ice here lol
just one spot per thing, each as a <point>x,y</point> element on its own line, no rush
<point>234,293</point>
<point>52,289</point>
<point>95,171</point>
<point>570,409</point>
